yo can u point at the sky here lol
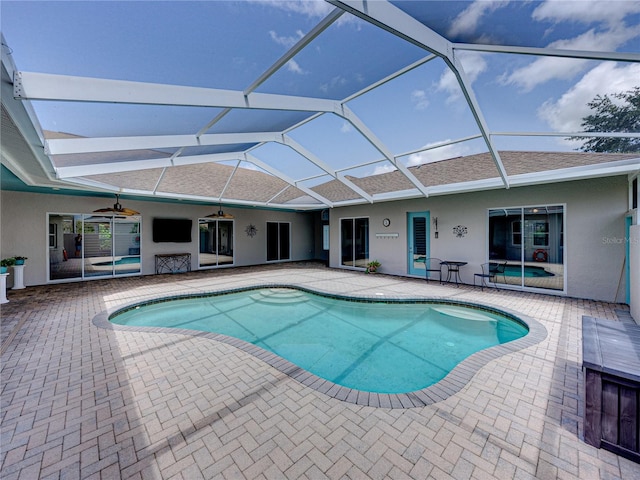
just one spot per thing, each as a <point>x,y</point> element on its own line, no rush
<point>227,45</point>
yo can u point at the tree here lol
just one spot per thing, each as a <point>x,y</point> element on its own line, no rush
<point>610,116</point>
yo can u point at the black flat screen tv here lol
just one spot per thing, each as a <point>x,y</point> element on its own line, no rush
<point>176,230</point>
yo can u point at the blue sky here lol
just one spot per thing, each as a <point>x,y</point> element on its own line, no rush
<point>227,45</point>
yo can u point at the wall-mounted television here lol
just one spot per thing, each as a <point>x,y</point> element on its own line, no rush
<point>177,230</point>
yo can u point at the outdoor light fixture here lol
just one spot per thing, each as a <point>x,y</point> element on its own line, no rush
<point>220,214</point>
<point>117,208</point>
<point>435,227</point>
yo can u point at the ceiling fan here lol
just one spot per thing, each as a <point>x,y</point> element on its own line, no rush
<point>220,214</point>
<point>117,208</point>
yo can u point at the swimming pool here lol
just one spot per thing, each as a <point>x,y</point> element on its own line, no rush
<point>120,261</point>
<point>370,346</point>
<point>530,271</point>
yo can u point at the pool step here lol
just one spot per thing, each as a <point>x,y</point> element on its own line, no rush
<point>464,313</point>
<point>280,297</point>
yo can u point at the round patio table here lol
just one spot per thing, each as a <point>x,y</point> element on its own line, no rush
<point>453,270</point>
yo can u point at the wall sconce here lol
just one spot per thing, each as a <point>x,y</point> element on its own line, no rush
<point>435,226</point>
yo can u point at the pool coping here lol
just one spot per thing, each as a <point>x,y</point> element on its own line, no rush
<point>451,384</point>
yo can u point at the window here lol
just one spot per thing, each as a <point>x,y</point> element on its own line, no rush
<point>53,235</point>
<point>540,234</point>
<point>278,241</point>
<point>516,233</point>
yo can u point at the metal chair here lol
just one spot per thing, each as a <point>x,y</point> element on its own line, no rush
<point>433,264</point>
<point>489,272</point>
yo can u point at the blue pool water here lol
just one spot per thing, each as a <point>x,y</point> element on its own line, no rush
<point>372,346</point>
<point>121,261</point>
<point>529,271</point>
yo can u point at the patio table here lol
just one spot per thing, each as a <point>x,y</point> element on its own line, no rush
<point>453,269</point>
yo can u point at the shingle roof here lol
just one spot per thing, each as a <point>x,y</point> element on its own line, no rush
<point>468,169</point>
<point>211,180</point>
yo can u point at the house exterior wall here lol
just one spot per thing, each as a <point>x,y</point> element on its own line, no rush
<point>595,210</point>
<point>24,230</point>
<point>634,271</point>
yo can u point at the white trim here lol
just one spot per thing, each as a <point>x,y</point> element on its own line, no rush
<point>47,86</point>
<point>549,52</point>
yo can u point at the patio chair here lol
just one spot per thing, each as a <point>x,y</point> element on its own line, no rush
<point>490,271</point>
<point>434,265</point>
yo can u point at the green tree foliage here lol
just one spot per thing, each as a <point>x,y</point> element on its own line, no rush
<point>612,116</point>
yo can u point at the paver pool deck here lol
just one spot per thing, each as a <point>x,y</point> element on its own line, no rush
<point>80,401</point>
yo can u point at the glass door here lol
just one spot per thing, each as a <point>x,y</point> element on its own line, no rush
<point>278,241</point>
<point>65,259</point>
<point>543,247</point>
<point>529,241</point>
<point>126,245</point>
<point>89,245</point>
<point>505,243</point>
<point>418,248</point>
<point>97,246</point>
<point>216,242</point>
<point>354,242</point>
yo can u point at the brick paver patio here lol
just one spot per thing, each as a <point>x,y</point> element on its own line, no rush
<point>79,401</point>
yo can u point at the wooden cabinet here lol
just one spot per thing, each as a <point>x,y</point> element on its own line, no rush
<point>611,362</point>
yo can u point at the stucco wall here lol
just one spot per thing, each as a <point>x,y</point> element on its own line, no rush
<point>595,212</point>
<point>24,230</point>
<point>634,271</point>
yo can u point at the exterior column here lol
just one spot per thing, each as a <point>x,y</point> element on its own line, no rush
<point>18,279</point>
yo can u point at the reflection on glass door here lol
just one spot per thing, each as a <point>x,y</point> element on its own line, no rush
<point>65,262</point>
<point>529,243</point>
<point>354,242</point>
<point>543,247</point>
<point>215,242</point>
<point>97,250</point>
<point>126,245</point>
<point>83,246</point>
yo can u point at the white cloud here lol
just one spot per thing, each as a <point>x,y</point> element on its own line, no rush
<point>386,168</point>
<point>289,42</point>
<point>438,153</point>
<point>473,64</point>
<point>586,11</point>
<point>293,67</point>
<point>338,80</point>
<point>346,127</point>
<point>548,68</point>
<point>309,8</point>
<point>286,42</point>
<point>419,99</point>
<point>467,21</point>
<point>565,114</point>
<point>430,156</point>
<point>313,9</point>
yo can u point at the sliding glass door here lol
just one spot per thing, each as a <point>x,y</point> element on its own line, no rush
<point>216,242</point>
<point>529,242</point>
<point>88,245</point>
<point>278,241</point>
<point>354,242</point>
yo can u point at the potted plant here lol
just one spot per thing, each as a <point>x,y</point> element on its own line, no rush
<point>373,266</point>
<point>5,263</point>
<point>19,260</point>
